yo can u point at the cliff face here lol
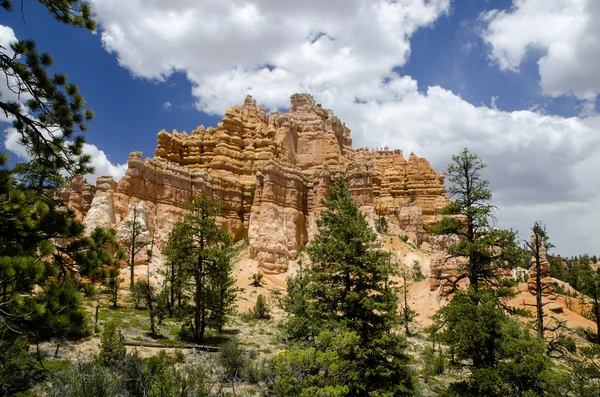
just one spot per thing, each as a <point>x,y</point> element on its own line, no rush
<point>271,171</point>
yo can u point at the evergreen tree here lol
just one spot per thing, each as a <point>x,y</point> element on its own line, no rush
<point>592,290</point>
<point>348,291</point>
<point>113,283</point>
<point>407,314</point>
<point>203,244</point>
<point>179,266</point>
<point>486,249</point>
<point>133,244</point>
<point>505,359</point>
<point>54,111</point>
<point>91,255</point>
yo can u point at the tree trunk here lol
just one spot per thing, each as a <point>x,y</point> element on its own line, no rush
<point>538,290</point>
<point>406,309</point>
<point>597,315</point>
<point>199,312</point>
<point>150,304</point>
<point>96,318</point>
<point>172,300</point>
<point>132,260</point>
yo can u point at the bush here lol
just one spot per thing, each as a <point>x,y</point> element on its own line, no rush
<point>89,290</point>
<point>232,359</point>
<point>19,369</point>
<point>186,332</point>
<point>417,272</point>
<point>261,372</point>
<point>381,225</point>
<point>159,375</point>
<point>404,238</point>
<point>112,345</point>
<point>261,310</point>
<point>85,380</point>
<point>138,294</point>
<point>434,362</point>
<point>256,279</point>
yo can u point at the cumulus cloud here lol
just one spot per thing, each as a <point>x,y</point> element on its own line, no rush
<point>7,83</point>
<point>269,48</point>
<point>12,143</point>
<point>167,105</point>
<point>344,52</point>
<point>565,32</point>
<point>102,165</point>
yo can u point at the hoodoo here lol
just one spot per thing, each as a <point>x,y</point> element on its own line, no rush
<point>271,171</point>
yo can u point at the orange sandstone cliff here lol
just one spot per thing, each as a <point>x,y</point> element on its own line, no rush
<point>271,171</point>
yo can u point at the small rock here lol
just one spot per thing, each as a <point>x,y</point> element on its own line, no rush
<point>556,309</point>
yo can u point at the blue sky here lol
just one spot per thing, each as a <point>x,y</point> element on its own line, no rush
<point>514,82</point>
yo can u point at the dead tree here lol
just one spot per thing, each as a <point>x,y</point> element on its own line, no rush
<point>537,247</point>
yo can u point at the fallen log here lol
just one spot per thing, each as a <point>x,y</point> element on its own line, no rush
<point>172,346</point>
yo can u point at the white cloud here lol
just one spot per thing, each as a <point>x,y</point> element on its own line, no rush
<point>344,52</point>
<point>540,166</point>
<point>8,83</point>
<point>231,48</point>
<point>565,32</point>
<point>167,105</point>
<point>11,143</point>
<point>102,165</point>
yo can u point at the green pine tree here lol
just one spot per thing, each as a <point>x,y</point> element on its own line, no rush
<point>347,291</point>
<point>203,244</point>
<point>179,264</point>
<point>134,243</point>
<point>592,290</point>
<point>54,113</point>
<point>91,255</point>
<point>470,217</point>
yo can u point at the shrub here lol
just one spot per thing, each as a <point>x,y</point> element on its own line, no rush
<point>159,375</point>
<point>112,345</point>
<point>18,369</point>
<point>89,291</point>
<point>434,362</point>
<point>85,380</point>
<point>261,310</point>
<point>381,225</point>
<point>404,238</point>
<point>417,272</point>
<point>186,332</point>
<point>256,279</point>
<point>138,294</point>
<point>232,359</point>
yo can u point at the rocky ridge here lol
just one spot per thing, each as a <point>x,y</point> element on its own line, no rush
<point>271,171</point>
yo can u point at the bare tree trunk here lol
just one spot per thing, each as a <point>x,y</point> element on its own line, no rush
<point>597,315</point>
<point>199,312</point>
<point>151,313</point>
<point>132,260</point>
<point>172,300</point>
<point>538,293</point>
<point>406,309</point>
<point>96,318</point>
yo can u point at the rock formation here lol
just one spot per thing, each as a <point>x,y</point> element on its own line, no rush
<point>444,270</point>
<point>546,281</point>
<point>271,171</point>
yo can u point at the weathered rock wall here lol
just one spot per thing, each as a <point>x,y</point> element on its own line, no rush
<point>271,171</point>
